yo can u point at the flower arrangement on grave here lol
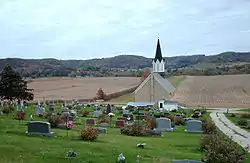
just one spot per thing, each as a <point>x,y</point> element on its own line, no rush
<point>121,158</point>
<point>69,125</point>
<point>141,145</point>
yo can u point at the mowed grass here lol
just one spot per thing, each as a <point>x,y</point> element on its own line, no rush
<point>236,119</point>
<point>175,80</point>
<point>16,147</point>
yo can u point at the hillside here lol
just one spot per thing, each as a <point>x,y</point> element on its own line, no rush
<point>122,63</point>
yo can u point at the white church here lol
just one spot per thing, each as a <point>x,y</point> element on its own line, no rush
<point>156,88</point>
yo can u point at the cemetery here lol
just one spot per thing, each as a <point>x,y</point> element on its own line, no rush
<point>47,131</point>
<point>44,132</point>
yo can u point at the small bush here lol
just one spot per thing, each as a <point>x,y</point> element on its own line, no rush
<point>89,134</point>
<point>55,120</point>
<point>151,122</point>
<point>205,140</point>
<point>209,127</point>
<point>232,115</point>
<point>220,149</point>
<point>20,115</point>
<point>174,110</point>
<point>179,121</point>
<point>133,130</point>
<point>245,115</point>
<point>242,122</point>
<point>103,119</point>
<point>85,113</point>
<point>203,111</point>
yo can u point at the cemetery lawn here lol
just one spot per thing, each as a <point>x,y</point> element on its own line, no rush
<point>236,119</point>
<point>16,147</point>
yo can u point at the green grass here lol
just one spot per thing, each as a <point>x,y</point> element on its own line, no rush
<point>245,110</point>
<point>235,119</point>
<point>175,80</point>
<point>16,147</point>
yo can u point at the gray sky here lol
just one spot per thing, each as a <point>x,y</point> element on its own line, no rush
<point>83,29</point>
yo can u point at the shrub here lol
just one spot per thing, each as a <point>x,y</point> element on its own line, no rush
<point>208,126</point>
<point>179,121</point>
<point>20,115</point>
<point>55,120</point>
<point>232,115</point>
<point>245,115</point>
<point>219,149</point>
<point>133,130</point>
<point>167,115</point>
<point>8,109</point>
<point>203,111</point>
<point>103,119</point>
<point>85,113</point>
<point>205,140</point>
<point>174,110</point>
<point>242,122</point>
<point>89,134</point>
<point>151,122</point>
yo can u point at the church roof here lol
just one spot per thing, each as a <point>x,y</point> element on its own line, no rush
<point>158,55</point>
<point>163,82</point>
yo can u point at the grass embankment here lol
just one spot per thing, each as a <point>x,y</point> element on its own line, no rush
<point>16,147</point>
<point>238,117</point>
<point>175,80</point>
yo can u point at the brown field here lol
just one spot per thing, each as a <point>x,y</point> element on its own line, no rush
<point>79,88</point>
<point>215,91</point>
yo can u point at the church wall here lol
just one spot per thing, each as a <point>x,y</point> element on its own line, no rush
<point>160,92</point>
<point>143,95</point>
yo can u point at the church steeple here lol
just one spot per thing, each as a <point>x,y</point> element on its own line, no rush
<point>158,55</point>
<point>158,62</point>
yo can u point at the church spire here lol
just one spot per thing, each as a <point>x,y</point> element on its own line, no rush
<point>158,55</point>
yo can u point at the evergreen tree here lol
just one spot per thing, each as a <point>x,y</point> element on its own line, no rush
<point>13,87</point>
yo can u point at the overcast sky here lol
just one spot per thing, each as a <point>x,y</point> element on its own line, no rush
<point>83,29</point>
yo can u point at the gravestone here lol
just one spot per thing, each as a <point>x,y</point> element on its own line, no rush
<point>102,130</point>
<point>51,108</point>
<point>163,124</point>
<point>97,114</point>
<point>90,121</point>
<point>39,128</point>
<point>39,110</point>
<point>121,118</point>
<point>186,161</point>
<point>104,125</point>
<point>194,126</point>
<point>125,112</point>
<point>154,132</point>
<point>120,123</point>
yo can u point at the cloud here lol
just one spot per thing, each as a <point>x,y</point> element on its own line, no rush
<point>86,29</point>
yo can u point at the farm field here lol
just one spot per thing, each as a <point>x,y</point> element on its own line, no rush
<point>215,91</point>
<point>79,88</point>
